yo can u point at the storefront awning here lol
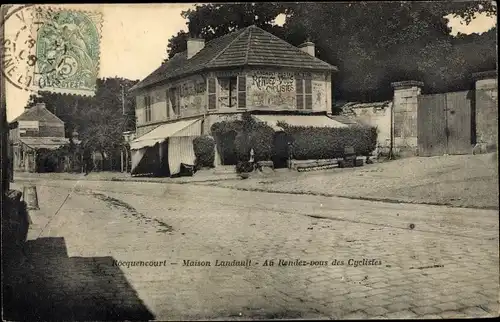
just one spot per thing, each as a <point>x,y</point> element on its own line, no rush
<point>299,120</point>
<point>163,132</point>
<point>50,143</point>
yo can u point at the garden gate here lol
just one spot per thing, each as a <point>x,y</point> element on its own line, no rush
<point>444,123</point>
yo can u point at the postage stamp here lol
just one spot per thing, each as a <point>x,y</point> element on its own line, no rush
<point>67,50</point>
<point>52,48</point>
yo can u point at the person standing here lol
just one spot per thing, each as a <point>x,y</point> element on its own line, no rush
<point>290,154</point>
<point>87,161</point>
<point>252,158</point>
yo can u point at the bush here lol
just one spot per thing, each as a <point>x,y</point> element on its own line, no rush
<point>257,136</point>
<point>328,143</point>
<point>204,150</point>
<point>244,166</point>
<point>48,160</point>
<point>262,141</point>
<point>250,134</point>
<point>242,146</point>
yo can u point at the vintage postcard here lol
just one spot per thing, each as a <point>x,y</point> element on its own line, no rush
<point>249,161</point>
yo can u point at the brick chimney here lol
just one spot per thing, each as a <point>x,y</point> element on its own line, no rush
<point>308,47</point>
<point>194,45</point>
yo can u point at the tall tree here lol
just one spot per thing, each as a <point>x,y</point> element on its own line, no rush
<point>99,120</point>
<point>372,43</point>
<point>211,21</point>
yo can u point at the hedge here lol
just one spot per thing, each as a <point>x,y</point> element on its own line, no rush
<point>328,143</point>
<point>307,142</point>
<point>244,166</point>
<point>250,135</point>
<point>204,151</point>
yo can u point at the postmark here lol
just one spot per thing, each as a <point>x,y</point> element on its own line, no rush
<point>17,47</point>
<point>53,49</point>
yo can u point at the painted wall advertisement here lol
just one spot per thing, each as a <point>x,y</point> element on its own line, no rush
<point>319,95</point>
<point>191,95</point>
<point>271,90</point>
<point>28,125</point>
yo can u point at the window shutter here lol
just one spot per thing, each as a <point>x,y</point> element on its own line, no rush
<point>146,109</point>
<point>149,108</point>
<point>299,89</point>
<point>308,93</point>
<point>178,101</point>
<point>212,95</point>
<point>242,95</point>
<point>167,104</point>
<point>173,101</point>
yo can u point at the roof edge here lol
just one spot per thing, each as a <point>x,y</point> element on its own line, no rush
<point>242,32</point>
<point>298,49</point>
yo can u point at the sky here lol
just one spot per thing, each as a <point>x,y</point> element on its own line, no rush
<point>134,40</point>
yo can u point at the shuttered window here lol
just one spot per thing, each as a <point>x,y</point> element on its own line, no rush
<point>299,90</point>
<point>308,93</point>
<point>212,94</point>
<point>147,108</point>
<point>228,93</point>
<point>242,92</point>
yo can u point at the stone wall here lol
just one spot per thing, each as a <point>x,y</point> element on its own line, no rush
<point>403,107</point>
<point>373,114</point>
<point>487,110</point>
<point>405,112</point>
<point>405,102</point>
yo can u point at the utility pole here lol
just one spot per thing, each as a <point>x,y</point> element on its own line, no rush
<point>123,99</point>
<point>391,151</point>
<point>123,113</point>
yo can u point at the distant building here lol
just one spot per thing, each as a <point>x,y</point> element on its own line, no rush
<point>37,128</point>
<point>249,70</point>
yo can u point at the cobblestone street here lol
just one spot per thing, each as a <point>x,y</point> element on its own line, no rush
<point>433,261</point>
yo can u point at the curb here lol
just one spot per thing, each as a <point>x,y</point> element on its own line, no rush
<point>173,182</point>
<point>124,180</point>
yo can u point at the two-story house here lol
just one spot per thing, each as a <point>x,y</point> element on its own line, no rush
<point>37,128</point>
<point>249,70</point>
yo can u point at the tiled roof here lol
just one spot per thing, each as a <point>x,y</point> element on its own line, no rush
<point>50,143</point>
<point>38,113</point>
<point>351,110</point>
<point>250,46</point>
<point>343,119</point>
<point>349,107</point>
